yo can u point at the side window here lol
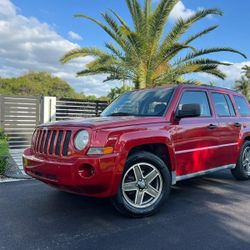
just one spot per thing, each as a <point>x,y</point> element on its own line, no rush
<point>223,105</point>
<point>196,97</point>
<point>242,105</point>
<point>230,105</point>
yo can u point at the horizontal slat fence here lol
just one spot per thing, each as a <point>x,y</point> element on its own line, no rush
<point>19,116</point>
<point>75,109</point>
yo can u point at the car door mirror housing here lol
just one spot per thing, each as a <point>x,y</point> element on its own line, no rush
<point>188,110</point>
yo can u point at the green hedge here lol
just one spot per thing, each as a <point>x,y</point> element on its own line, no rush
<point>4,152</point>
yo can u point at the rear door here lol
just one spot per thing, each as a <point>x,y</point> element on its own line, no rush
<point>229,128</point>
<point>196,139</point>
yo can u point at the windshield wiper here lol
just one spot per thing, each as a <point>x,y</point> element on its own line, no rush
<point>121,114</point>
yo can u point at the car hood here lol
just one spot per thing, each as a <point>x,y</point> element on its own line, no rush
<point>105,122</point>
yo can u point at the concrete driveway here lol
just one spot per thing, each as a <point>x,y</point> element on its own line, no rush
<point>212,212</point>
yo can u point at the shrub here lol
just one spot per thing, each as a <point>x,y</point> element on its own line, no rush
<point>4,152</point>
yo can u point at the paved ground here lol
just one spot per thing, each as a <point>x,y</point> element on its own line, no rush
<point>208,213</point>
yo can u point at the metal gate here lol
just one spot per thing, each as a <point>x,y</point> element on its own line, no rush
<point>19,116</point>
<point>75,109</point>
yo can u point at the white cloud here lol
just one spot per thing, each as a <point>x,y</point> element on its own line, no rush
<point>74,36</point>
<point>180,11</point>
<point>7,9</point>
<point>27,44</point>
<point>233,73</point>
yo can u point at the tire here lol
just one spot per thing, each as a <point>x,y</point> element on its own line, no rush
<point>242,170</point>
<point>141,194</point>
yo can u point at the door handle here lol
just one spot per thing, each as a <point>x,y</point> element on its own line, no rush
<point>237,125</point>
<point>212,126</point>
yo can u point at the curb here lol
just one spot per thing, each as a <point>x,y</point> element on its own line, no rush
<point>9,180</point>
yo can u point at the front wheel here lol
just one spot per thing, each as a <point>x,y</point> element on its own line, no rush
<point>242,170</point>
<point>145,185</point>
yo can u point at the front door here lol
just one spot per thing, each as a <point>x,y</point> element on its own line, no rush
<point>196,139</point>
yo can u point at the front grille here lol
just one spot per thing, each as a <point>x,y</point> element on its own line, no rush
<point>52,141</point>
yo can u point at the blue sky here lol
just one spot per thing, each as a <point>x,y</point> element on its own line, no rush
<point>56,18</point>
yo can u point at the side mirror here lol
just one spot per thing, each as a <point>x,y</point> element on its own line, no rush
<point>188,110</point>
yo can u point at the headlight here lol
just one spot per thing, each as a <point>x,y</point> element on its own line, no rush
<point>81,139</point>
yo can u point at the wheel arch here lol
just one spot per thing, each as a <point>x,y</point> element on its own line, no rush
<point>131,142</point>
<point>159,149</point>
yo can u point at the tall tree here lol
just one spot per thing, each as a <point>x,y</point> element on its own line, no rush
<point>115,92</point>
<point>243,85</point>
<point>146,55</point>
<point>246,71</point>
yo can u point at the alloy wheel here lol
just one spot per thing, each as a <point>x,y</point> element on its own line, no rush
<point>142,185</point>
<point>246,160</point>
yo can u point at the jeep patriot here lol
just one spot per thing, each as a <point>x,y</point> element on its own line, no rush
<point>143,143</point>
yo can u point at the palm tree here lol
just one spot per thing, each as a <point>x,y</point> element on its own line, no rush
<point>242,86</point>
<point>144,53</point>
<point>246,71</point>
<point>115,92</point>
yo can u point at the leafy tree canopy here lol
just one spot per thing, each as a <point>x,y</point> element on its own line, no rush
<point>243,85</point>
<point>115,92</point>
<point>40,84</point>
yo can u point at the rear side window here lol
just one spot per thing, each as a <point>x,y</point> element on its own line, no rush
<point>230,105</point>
<point>196,97</point>
<point>242,105</point>
<point>223,105</point>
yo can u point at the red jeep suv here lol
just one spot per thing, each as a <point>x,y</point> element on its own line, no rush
<point>143,143</point>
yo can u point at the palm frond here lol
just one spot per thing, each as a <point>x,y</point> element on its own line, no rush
<point>216,72</point>
<point>209,51</point>
<point>114,50</point>
<point>123,23</point>
<point>205,61</point>
<point>194,67</point>
<point>159,18</point>
<point>113,24</point>
<point>183,25</point>
<point>82,52</point>
<point>109,31</point>
<point>136,14</point>
<point>169,52</point>
<point>193,81</point>
<point>200,34</point>
<point>147,9</point>
<point>101,62</point>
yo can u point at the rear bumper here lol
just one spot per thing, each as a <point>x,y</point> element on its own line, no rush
<point>70,175</point>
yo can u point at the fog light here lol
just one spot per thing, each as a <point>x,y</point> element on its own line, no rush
<point>86,170</point>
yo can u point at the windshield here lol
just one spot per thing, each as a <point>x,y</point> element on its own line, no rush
<point>151,102</point>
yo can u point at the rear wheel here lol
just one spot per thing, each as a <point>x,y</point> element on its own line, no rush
<point>242,170</point>
<point>145,185</point>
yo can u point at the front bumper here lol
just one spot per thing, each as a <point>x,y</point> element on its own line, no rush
<point>68,174</point>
